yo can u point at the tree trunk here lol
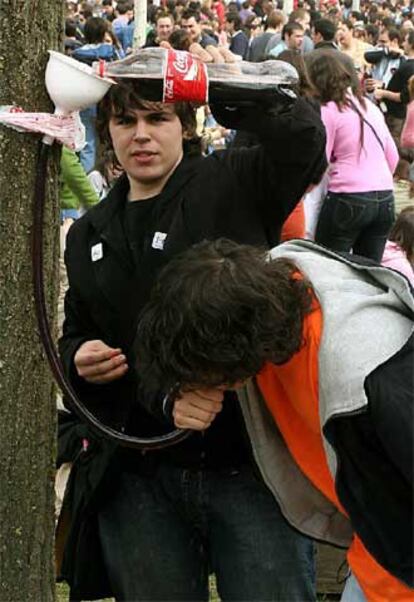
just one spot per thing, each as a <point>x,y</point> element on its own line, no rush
<point>140,23</point>
<point>27,394</point>
<point>287,7</point>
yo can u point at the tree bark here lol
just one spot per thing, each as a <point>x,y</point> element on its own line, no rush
<point>27,394</point>
<point>140,23</point>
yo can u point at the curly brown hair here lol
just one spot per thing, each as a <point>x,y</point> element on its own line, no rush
<point>218,312</point>
<point>126,95</point>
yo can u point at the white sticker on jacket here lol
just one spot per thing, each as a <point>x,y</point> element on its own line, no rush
<point>159,240</point>
<point>97,252</point>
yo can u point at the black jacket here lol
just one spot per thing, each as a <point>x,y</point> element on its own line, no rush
<point>399,83</point>
<point>242,194</point>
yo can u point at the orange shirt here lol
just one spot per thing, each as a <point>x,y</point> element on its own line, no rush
<point>294,226</point>
<point>294,404</point>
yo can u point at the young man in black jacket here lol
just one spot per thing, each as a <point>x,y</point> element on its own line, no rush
<point>152,526</point>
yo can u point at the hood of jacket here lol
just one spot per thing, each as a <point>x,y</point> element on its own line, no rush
<point>368,313</point>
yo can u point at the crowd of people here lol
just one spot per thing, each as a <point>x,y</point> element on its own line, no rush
<point>293,430</point>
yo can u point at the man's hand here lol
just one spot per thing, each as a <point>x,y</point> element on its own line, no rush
<point>379,94</point>
<point>99,364</point>
<point>372,84</point>
<point>196,410</point>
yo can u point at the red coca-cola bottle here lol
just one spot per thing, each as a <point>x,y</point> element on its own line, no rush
<point>174,75</point>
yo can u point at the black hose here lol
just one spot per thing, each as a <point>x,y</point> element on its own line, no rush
<point>82,412</point>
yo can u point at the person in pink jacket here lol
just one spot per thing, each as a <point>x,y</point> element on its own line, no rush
<point>399,249</point>
<point>358,210</point>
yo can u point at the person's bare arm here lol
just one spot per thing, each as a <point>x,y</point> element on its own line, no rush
<point>228,55</point>
<point>380,94</point>
<point>215,53</point>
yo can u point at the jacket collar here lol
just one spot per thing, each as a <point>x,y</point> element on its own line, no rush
<point>122,283</point>
<point>107,217</point>
<point>102,217</point>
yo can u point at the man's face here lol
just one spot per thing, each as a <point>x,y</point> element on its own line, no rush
<point>323,7</point>
<point>316,36</point>
<point>406,45</point>
<point>343,34</point>
<point>148,144</point>
<point>294,41</point>
<point>305,22</point>
<point>192,27</point>
<point>384,39</point>
<point>229,27</point>
<point>164,28</point>
<point>407,26</point>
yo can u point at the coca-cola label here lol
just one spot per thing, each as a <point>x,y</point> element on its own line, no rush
<point>185,78</point>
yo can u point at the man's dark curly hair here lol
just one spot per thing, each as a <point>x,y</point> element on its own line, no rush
<point>127,95</point>
<point>218,312</point>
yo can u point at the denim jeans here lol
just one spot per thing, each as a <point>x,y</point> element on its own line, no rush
<point>68,214</point>
<point>162,535</point>
<point>352,591</point>
<point>359,222</point>
<point>87,155</point>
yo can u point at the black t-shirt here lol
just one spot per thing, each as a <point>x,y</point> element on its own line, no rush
<point>225,444</point>
<point>399,83</point>
<point>137,225</point>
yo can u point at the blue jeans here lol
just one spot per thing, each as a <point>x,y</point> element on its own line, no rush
<point>87,155</point>
<point>359,222</point>
<point>162,535</point>
<point>69,214</point>
<point>352,591</point>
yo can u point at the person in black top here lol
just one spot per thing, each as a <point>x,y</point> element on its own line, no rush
<point>395,96</point>
<point>323,34</point>
<point>150,526</point>
<point>323,37</point>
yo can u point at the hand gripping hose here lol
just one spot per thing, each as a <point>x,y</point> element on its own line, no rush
<point>82,412</point>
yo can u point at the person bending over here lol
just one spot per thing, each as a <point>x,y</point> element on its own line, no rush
<point>329,344</point>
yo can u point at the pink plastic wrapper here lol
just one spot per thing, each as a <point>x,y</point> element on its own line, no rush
<point>66,129</point>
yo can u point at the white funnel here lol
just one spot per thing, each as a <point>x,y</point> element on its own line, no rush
<point>72,85</point>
